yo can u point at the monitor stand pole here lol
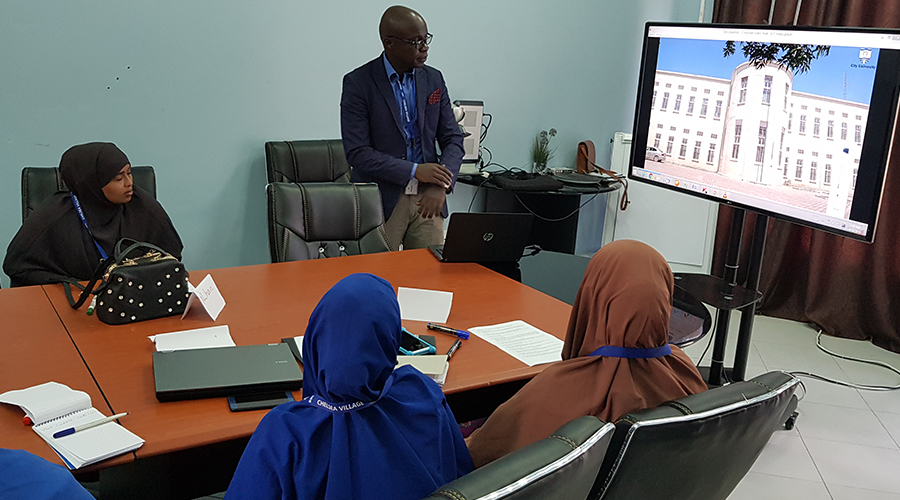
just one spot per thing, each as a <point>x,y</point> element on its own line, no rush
<point>726,295</point>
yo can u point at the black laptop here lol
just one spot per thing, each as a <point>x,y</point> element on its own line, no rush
<point>225,371</point>
<point>484,237</point>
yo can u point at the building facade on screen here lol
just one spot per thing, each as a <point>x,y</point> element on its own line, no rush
<point>755,127</point>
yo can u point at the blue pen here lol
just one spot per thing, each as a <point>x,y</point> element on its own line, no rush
<point>449,331</point>
<point>95,423</point>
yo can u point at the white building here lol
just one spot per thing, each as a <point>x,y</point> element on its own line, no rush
<point>755,127</point>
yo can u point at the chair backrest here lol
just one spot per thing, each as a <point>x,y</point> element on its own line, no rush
<point>324,219</point>
<point>307,161</point>
<point>563,465</point>
<point>38,183</point>
<point>699,446</point>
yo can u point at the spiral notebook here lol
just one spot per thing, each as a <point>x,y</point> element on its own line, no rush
<point>53,407</point>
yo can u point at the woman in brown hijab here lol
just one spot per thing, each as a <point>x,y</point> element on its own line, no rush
<point>54,245</point>
<point>624,301</point>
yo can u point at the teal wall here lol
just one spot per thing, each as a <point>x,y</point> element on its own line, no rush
<point>195,87</point>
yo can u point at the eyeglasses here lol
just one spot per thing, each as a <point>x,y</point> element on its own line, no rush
<point>418,44</point>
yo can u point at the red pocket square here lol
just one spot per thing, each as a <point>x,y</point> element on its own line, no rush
<point>435,97</point>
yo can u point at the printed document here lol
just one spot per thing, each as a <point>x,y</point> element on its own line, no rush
<point>522,341</point>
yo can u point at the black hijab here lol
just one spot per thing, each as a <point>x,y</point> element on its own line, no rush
<point>53,246</point>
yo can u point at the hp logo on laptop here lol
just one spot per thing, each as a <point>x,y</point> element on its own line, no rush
<point>487,236</point>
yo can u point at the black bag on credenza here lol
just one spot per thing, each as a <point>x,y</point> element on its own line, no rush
<point>150,285</point>
<point>526,181</point>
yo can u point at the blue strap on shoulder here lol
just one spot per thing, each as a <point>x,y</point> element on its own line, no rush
<point>84,221</point>
<point>612,351</point>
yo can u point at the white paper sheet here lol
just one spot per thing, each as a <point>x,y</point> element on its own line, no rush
<point>200,338</point>
<point>424,305</point>
<point>522,341</point>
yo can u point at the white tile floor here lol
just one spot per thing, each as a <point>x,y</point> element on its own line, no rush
<point>846,444</point>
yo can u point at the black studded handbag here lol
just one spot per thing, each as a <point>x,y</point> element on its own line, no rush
<point>139,282</point>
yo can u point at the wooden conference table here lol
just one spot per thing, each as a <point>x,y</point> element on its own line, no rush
<point>266,303</point>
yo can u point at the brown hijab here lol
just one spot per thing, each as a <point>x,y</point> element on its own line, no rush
<point>625,300</point>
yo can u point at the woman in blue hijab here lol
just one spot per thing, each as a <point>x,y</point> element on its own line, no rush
<point>363,429</point>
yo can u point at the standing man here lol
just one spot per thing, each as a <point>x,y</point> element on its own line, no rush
<point>394,110</point>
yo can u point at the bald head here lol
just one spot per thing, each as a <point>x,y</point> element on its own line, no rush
<point>404,36</point>
<point>397,20</point>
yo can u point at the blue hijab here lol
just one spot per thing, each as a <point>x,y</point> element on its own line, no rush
<point>363,429</point>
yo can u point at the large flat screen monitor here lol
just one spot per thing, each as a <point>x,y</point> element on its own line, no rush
<point>791,122</point>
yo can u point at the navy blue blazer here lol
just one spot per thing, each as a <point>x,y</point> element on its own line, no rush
<point>373,137</point>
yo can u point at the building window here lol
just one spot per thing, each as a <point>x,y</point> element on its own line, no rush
<point>812,172</point>
<point>844,131</point>
<point>670,144</point>
<point>843,115</point>
<point>827,179</point>
<point>815,153</point>
<point>659,125</point>
<point>798,174</point>
<point>706,91</point>
<point>690,109</point>
<point>703,106</point>
<point>786,161</point>
<point>802,124</point>
<point>699,133</point>
<point>665,101</point>
<point>668,85</point>
<point>693,89</point>
<point>858,117</point>
<point>672,129</point>
<point>681,87</point>
<point>787,90</point>
<point>831,112</point>
<point>803,107</point>
<point>743,94</point>
<point>761,142</point>
<point>711,155</point>
<point>697,146</point>
<point>687,131</point>
<point>790,120</point>
<point>677,106</point>
<point>828,157</point>
<point>718,112</point>
<point>800,151</point>
<point>830,130</point>
<point>853,184</point>
<point>857,133</point>
<point>735,149</point>
<point>721,92</point>
<point>653,101</point>
<point>657,83</point>
<point>683,150</point>
<point>767,90</point>
<point>781,145</point>
<point>816,126</point>
<point>818,110</point>
<point>713,136</point>
<point>657,141</point>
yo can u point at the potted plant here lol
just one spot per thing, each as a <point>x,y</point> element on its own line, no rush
<point>541,153</point>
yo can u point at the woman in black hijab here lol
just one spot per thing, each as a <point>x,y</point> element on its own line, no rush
<point>54,244</point>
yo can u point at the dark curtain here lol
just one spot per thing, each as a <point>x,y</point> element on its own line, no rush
<point>849,289</point>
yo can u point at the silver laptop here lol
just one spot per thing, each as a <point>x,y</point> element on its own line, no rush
<point>225,371</point>
<point>484,237</point>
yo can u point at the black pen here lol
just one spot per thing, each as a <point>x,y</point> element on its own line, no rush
<point>453,348</point>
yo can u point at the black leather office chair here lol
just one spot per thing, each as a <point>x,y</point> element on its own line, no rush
<point>38,183</point>
<point>324,219</point>
<point>307,161</point>
<point>563,466</point>
<point>700,446</point>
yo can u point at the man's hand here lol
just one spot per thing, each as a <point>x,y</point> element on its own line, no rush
<point>432,199</point>
<point>432,173</point>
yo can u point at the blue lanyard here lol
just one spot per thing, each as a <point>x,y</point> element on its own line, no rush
<point>409,123</point>
<point>612,351</point>
<point>84,221</point>
<point>324,404</point>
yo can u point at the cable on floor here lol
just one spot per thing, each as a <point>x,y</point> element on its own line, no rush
<point>849,358</point>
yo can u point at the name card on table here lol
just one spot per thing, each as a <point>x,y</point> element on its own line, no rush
<point>207,295</point>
